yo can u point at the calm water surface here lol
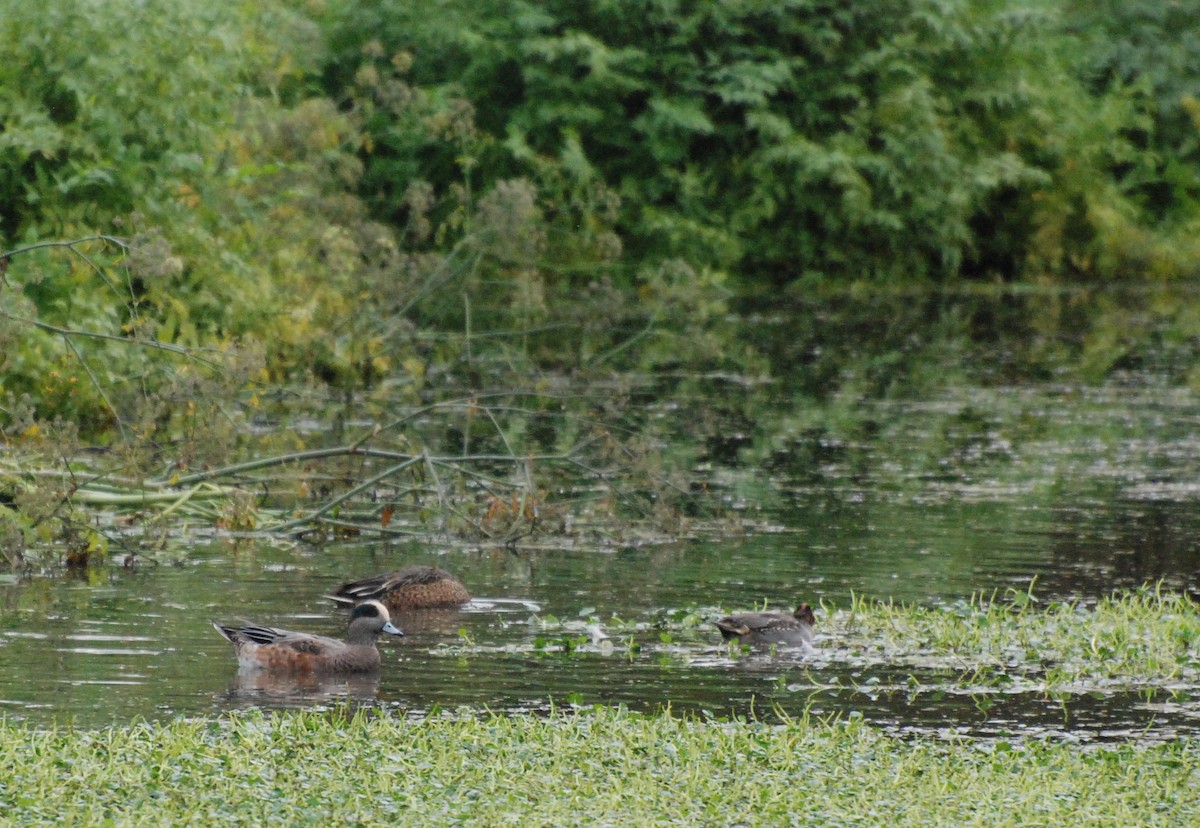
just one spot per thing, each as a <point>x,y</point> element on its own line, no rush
<point>976,495</point>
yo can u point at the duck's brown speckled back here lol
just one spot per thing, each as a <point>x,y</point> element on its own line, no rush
<point>770,627</point>
<point>411,588</point>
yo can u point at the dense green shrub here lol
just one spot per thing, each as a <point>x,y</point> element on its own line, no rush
<point>229,183</point>
<point>376,191</point>
<point>1153,48</point>
<point>776,139</point>
<point>922,139</point>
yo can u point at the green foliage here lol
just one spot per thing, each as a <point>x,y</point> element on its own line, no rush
<point>1145,55</point>
<point>368,198</point>
<point>804,141</point>
<point>103,110</point>
<point>228,185</point>
<point>510,260</point>
<point>1154,49</point>
<point>779,140</point>
<point>107,124</point>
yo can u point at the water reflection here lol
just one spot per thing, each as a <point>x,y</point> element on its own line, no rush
<point>972,496</point>
<point>252,687</point>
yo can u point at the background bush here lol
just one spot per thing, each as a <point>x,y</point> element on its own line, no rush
<point>357,196</point>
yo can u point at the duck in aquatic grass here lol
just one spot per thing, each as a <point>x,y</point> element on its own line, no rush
<point>411,588</point>
<point>763,628</point>
<point>283,651</point>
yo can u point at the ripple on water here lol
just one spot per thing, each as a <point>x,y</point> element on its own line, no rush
<point>1081,491</point>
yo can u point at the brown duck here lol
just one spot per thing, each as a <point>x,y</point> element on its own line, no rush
<point>770,627</point>
<point>411,588</point>
<point>284,651</point>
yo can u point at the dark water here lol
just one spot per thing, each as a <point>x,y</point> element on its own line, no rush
<point>961,504</point>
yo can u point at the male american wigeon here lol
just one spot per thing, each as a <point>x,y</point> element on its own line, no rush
<point>411,588</point>
<point>284,651</point>
<point>770,627</point>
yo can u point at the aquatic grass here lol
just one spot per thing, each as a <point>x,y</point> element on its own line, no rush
<point>1142,635</point>
<point>1144,641</point>
<point>603,766</point>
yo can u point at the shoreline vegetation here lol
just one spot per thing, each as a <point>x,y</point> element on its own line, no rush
<point>755,216</point>
<point>600,766</point>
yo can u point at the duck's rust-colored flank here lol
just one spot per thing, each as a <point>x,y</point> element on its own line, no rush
<point>284,651</point>
<point>411,588</point>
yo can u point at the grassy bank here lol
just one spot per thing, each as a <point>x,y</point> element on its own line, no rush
<point>601,768</point>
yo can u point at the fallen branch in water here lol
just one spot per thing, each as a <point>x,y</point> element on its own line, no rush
<point>381,482</point>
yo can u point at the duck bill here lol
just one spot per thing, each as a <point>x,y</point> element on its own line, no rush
<point>392,629</point>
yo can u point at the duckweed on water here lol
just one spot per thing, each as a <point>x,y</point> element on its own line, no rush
<point>602,767</point>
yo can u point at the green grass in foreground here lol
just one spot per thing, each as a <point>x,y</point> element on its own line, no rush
<point>605,767</point>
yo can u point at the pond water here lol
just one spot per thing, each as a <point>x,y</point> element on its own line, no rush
<point>1078,492</point>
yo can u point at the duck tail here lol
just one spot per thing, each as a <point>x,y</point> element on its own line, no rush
<point>226,632</point>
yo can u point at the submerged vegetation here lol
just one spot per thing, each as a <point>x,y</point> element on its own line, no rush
<point>596,767</point>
